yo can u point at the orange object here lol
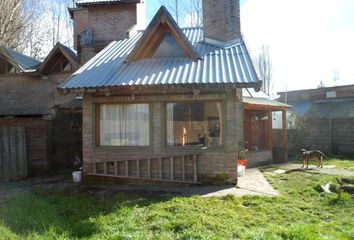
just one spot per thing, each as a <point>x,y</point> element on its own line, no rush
<point>242,162</point>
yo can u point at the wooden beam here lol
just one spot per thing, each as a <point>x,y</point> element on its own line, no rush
<point>149,167</point>
<point>184,168</point>
<point>105,168</point>
<point>195,178</point>
<point>126,168</point>
<point>172,168</point>
<point>115,168</point>
<point>160,168</point>
<point>138,168</point>
<point>270,130</point>
<point>284,136</point>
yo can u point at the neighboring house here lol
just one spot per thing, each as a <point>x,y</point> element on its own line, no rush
<point>329,117</point>
<point>29,99</point>
<point>166,103</point>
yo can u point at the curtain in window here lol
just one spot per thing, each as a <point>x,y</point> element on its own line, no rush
<point>124,125</point>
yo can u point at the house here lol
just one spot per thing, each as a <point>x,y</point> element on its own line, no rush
<point>30,100</point>
<point>327,116</point>
<point>166,104</point>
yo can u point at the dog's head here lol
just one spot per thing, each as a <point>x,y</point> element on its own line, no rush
<point>302,151</point>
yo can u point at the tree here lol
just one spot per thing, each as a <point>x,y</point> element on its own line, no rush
<point>187,13</point>
<point>14,20</point>
<point>264,69</point>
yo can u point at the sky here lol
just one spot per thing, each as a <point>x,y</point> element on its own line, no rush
<point>309,40</point>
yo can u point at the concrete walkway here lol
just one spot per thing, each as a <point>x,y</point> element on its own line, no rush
<point>253,183</point>
<point>327,169</point>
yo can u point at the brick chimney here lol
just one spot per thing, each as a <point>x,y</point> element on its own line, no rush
<point>221,20</point>
<point>98,23</point>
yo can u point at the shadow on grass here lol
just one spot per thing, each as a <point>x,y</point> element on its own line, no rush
<point>46,214</point>
<point>306,170</point>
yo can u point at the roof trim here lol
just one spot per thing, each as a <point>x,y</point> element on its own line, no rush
<point>64,50</point>
<point>102,2</point>
<point>5,52</point>
<point>152,37</point>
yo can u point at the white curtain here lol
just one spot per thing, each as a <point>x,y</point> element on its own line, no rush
<point>124,125</point>
<point>170,123</point>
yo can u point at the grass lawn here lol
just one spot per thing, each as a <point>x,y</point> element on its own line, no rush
<point>299,213</point>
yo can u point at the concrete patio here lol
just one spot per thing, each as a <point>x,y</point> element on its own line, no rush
<point>253,183</point>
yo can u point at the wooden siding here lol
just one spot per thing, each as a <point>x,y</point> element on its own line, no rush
<point>13,160</point>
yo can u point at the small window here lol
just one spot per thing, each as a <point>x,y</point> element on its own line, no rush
<point>124,125</point>
<point>194,124</point>
<point>331,94</point>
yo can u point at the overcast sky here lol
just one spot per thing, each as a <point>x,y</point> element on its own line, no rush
<point>309,40</point>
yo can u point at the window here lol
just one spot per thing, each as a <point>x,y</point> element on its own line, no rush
<point>194,124</point>
<point>124,125</point>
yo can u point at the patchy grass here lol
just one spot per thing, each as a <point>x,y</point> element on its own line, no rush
<point>299,213</point>
<point>340,162</point>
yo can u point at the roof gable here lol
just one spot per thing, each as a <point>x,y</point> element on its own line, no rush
<point>161,26</point>
<point>20,61</point>
<point>56,55</point>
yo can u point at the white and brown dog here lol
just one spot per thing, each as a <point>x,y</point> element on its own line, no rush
<point>311,155</point>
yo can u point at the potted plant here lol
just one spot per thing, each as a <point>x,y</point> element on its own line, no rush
<point>242,154</point>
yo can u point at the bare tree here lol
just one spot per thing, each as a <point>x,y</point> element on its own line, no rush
<point>14,20</point>
<point>186,12</point>
<point>264,69</point>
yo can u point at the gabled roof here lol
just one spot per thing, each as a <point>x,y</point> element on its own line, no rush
<point>69,54</point>
<point>261,100</point>
<point>19,60</point>
<point>99,2</point>
<point>217,66</point>
<point>161,25</point>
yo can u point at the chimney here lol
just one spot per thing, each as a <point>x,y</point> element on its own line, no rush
<point>221,20</point>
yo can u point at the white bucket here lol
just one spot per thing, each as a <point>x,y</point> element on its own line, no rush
<point>77,176</point>
<point>241,170</point>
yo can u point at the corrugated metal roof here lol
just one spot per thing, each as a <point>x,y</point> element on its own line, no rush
<point>264,102</point>
<point>93,2</point>
<point>218,65</point>
<point>334,108</point>
<point>26,63</point>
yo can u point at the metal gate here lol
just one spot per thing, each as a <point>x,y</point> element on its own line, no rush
<point>13,157</point>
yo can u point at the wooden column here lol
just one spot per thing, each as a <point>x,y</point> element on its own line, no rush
<point>270,130</point>
<point>284,137</point>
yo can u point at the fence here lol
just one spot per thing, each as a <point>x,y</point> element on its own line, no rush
<point>13,159</point>
<point>332,136</point>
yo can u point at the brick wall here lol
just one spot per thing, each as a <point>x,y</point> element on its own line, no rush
<point>330,136</point>
<point>211,162</point>
<point>221,19</point>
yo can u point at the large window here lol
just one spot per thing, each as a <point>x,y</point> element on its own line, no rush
<point>124,125</point>
<point>194,124</point>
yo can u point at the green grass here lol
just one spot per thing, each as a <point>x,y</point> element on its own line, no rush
<point>340,163</point>
<point>300,213</point>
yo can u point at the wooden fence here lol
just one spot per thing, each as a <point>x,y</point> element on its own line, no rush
<point>182,168</point>
<point>13,159</point>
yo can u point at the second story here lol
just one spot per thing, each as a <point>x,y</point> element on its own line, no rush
<point>98,23</point>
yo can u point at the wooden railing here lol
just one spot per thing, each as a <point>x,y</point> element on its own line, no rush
<point>176,168</point>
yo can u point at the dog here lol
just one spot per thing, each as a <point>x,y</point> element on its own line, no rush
<point>310,155</point>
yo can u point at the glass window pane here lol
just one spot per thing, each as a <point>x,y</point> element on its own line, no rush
<point>194,124</point>
<point>124,125</point>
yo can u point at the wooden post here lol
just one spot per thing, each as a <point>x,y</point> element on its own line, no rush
<point>184,168</point>
<point>195,168</point>
<point>270,130</point>
<point>94,168</point>
<point>284,137</point>
<point>6,153</point>
<point>126,168</point>
<point>149,167</point>
<point>160,168</point>
<point>105,168</point>
<point>171,168</point>
<point>115,168</point>
<point>138,168</point>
